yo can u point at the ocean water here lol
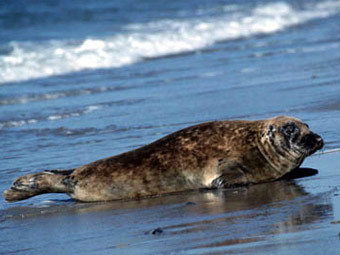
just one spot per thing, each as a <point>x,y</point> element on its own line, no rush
<point>84,80</point>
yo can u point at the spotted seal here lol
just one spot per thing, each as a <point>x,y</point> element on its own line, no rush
<point>215,154</point>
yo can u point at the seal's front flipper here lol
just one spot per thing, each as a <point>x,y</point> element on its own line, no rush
<point>229,181</point>
<point>232,174</point>
<point>31,185</point>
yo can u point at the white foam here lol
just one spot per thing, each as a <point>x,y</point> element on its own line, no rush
<point>92,108</point>
<point>54,117</point>
<point>27,99</point>
<point>30,60</point>
<point>53,95</point>
<point>19,123</point>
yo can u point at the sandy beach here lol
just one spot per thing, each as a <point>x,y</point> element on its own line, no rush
<point>80,82</point>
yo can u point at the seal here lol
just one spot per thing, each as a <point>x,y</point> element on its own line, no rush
<point>218,154</point>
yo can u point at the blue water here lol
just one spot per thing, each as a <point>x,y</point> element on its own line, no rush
<point>83,80</point>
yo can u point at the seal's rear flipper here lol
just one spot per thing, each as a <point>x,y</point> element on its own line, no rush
<point>31,185</point>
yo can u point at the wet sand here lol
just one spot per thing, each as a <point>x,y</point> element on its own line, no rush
<point>235,60</point>
<point>283,217</point>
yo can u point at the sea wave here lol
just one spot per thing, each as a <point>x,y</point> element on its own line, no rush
<point>22,122</point>
<point>74,113</point>
<point>28,60</point>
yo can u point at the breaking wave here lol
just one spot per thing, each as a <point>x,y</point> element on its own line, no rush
<point>29,60</point>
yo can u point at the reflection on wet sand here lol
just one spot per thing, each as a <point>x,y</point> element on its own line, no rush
<point>252,214</point>
<point>264,210</point>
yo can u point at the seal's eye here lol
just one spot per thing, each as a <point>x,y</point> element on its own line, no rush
<point>290,130</point>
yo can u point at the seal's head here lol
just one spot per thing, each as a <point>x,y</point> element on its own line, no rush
<point>288,141</point>
<point>295,135</point>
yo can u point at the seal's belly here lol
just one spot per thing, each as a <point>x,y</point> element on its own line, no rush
<point>129,184</point>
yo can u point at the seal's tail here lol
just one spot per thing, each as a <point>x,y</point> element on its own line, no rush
<point>26,186</point>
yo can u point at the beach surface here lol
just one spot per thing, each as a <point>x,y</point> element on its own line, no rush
<point>81,81</point>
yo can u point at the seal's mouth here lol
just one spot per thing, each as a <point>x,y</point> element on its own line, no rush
<point>311,143</point>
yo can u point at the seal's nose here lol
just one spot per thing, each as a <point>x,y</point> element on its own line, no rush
<point>312,142</point>
<point>319,141</point>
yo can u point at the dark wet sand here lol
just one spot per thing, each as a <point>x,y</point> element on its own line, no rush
<point>283,217</point>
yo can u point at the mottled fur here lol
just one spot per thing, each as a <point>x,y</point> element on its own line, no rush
<point>209,155</point>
